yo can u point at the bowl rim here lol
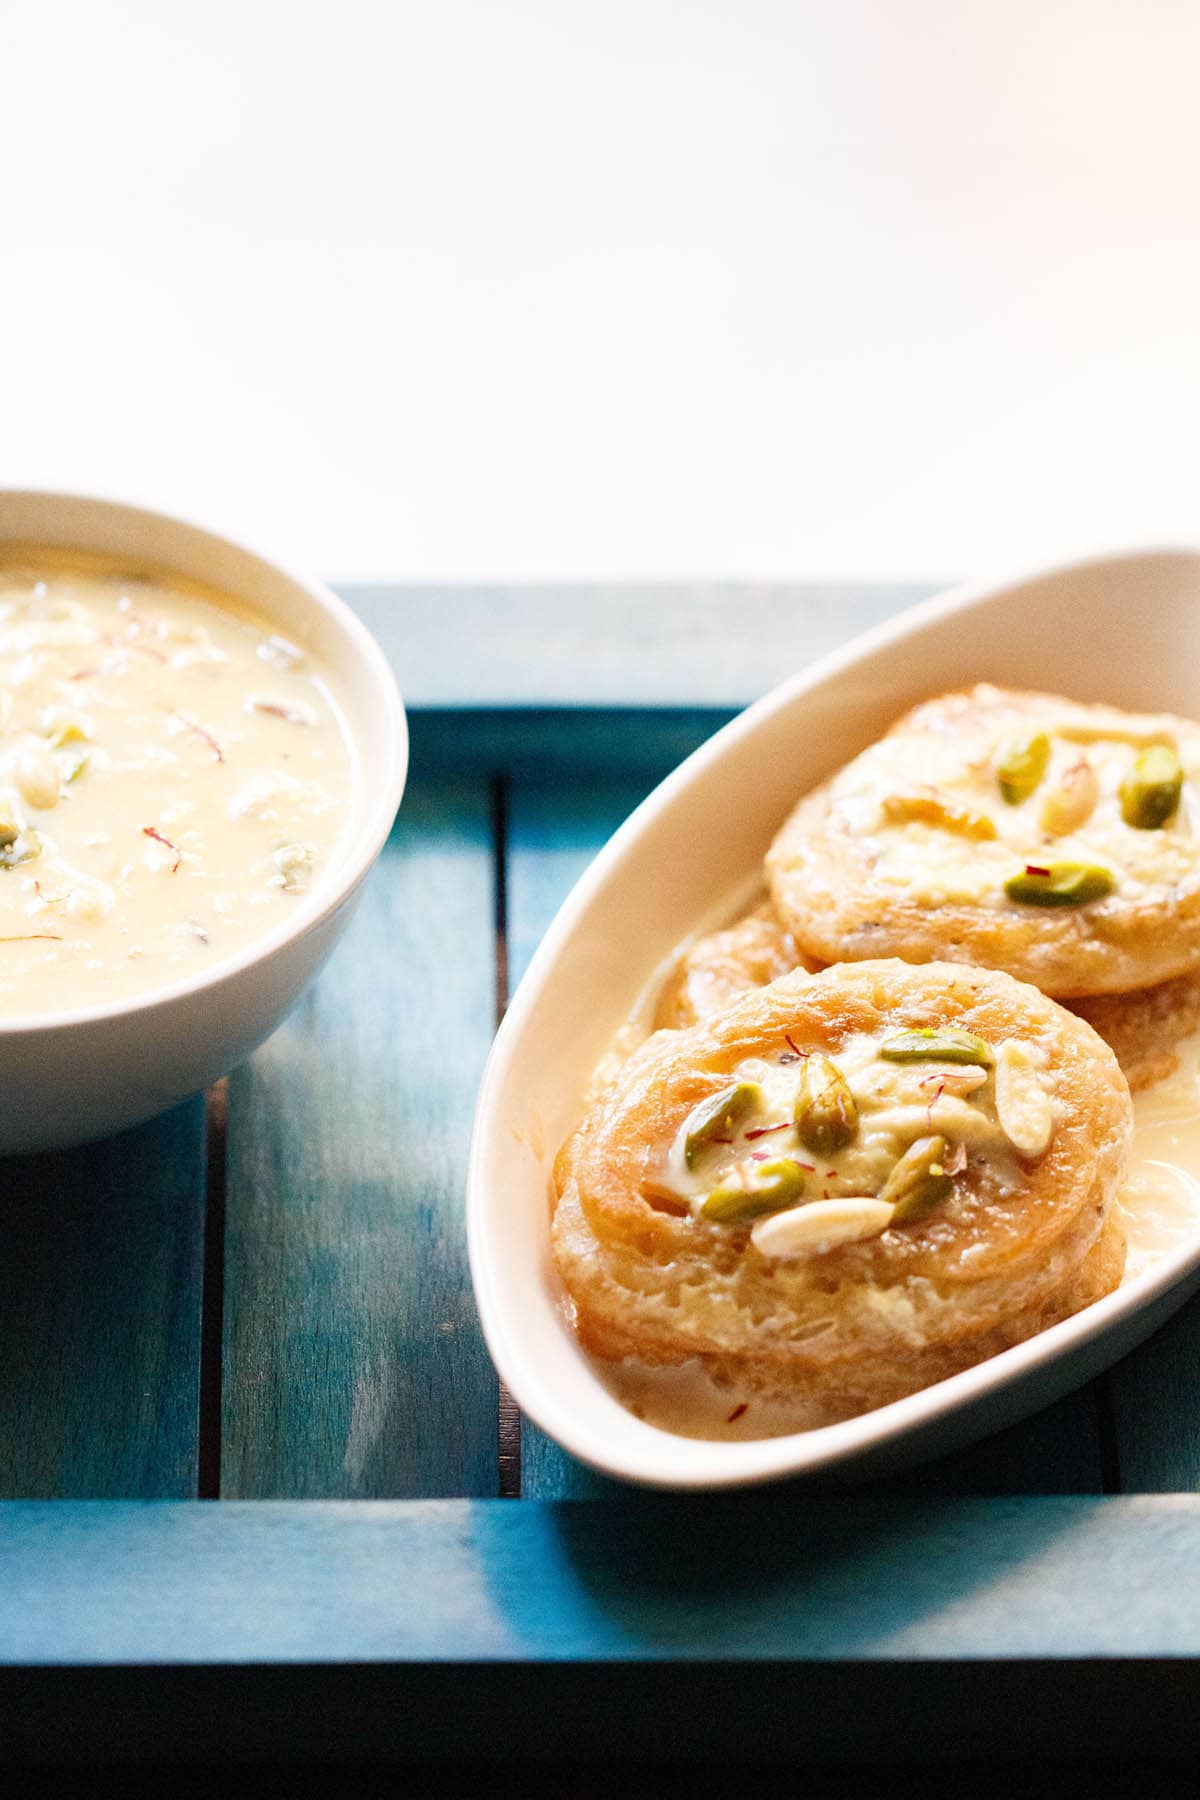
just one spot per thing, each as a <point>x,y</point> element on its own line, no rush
<point>714,1464</point>
<point>356,855</point>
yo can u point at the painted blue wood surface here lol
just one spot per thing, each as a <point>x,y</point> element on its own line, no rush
<point>768,1576</point>
<point>101,1250</point>
<point>580,743</point>
<point>1156,1409</point>
<point>555,828</point>
<point>768,1626</point>
<point>353,1367</point>
<point>666,646</point>
<point>353,1361</point>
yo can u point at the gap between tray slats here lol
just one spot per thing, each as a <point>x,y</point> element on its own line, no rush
<point>208,1460</point>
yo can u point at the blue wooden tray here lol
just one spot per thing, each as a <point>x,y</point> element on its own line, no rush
<point>262,1496</point>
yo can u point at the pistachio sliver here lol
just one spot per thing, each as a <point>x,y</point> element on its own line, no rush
<point>919,1180</point>
<point>73,762</point>
<point>767,1189</point>
<point>1021,765</point>
<point>936,1044</point>
<point>63,727</point>
<point>719,1117</point>
<point>23,848</point>
<point>1060,884</point>
<point>825,1113</point>
<point>1151,791</point>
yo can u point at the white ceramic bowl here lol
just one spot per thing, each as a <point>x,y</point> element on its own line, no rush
<point>1121,628</point>
<point>83,1074</point>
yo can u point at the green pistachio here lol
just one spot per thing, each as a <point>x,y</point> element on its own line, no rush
<point>918,1181</point>
<point>1150,792</point>
<point>719,1117</point>
<point>936,1044</point>
<point>66,730</point>
<point>1060,884</point>
<point>825,1114</point>
<point>1021,765</point>
<point>73,763</point>
<point>770,1186</point>
<point>20,848</point>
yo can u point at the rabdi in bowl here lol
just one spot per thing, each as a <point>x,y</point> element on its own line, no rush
<point>200,758</point>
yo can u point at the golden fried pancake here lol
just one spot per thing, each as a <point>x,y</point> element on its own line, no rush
<point>1145,1028</point>
<point>1017,831</point>
<point>1142,1028</point>
<point>748,954</point>
<point>848,1184</point>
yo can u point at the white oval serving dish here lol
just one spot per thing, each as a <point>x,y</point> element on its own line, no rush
<point>1122,628</point>
<point>80,1075</point>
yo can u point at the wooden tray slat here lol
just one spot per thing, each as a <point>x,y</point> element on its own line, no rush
<point>587,646</point>
<point>766,1626</point>
<point>772,1574</point>
<point>353,1359</point>
<point>554,831</point>
<point>575,743</point>
<point>102,1253</point>
<point>1057,1451</point>
<point>1156,1409</point>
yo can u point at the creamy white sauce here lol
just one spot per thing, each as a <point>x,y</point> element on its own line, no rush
<point>174,776</point>
<point>937,866</point>
<point>640,1021</point>
<point>1160,1201</point>
<point>897,1102</point>
<point>1160,1208</point>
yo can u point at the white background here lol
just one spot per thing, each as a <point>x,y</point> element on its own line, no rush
<point>513,289</point>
